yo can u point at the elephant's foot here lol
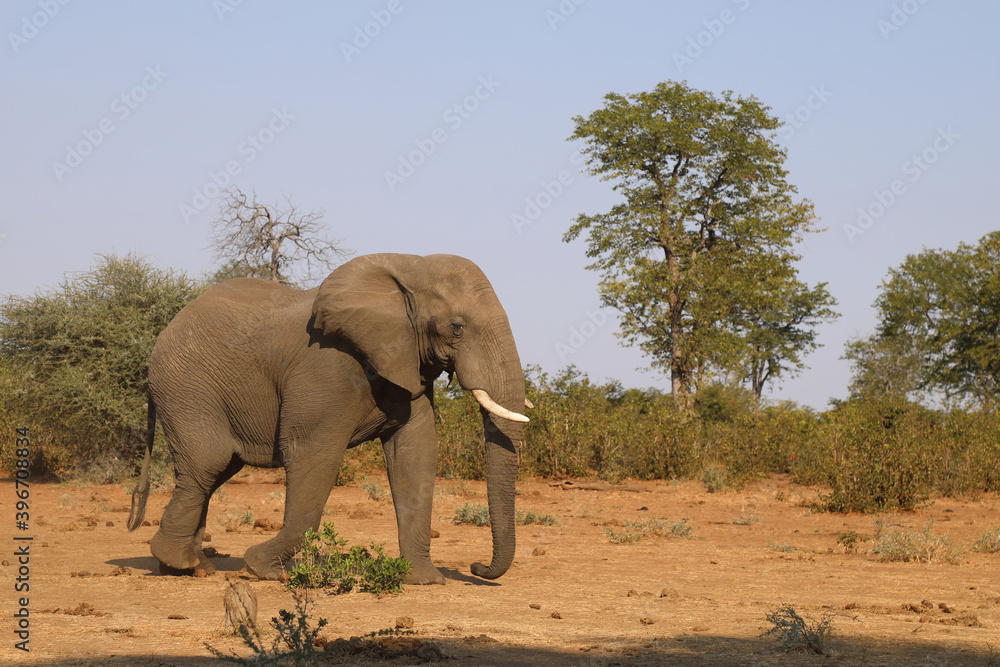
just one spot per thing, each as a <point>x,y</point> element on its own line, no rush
<point>424,574</point>
<point>174,555</point>
<point>205,564</point>
<point>262,564</point>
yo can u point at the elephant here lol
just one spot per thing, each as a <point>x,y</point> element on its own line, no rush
<point>253,372</point>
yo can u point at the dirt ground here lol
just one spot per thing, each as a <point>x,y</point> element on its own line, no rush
<point>571,597</point>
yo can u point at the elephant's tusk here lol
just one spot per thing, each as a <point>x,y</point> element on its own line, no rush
<point>528,404</point>
<point>496,409</point>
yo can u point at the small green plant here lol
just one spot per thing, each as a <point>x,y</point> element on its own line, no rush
<point>322,564</point>
<point>988,542</point>
<point>794,632</point>
<point>746,520</point>
<point>531,518</point>
<point>477,514</point>
<point>471,514</point>
<point>294,643</point>
<point>374,491</point>
<point>783,548</point>
<point>714,477</point>
<point>636,530</point>
<point>780,496</point>
<point>850,540</point>
<point>235,518</point>
<point>67,500</point>
<point>900,545</point>
<point>275,497</point>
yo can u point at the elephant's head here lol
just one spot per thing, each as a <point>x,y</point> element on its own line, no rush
<point>412,318</point>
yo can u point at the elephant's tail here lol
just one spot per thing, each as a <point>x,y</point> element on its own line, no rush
<point>141,491</point>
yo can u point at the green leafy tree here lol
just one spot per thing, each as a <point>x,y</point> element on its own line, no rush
<point>76,356</point>
<point>939,318</point>
<point>707,216</point>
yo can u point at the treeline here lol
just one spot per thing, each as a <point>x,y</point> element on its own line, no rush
<point>872,453</point>
<point>73,367</point>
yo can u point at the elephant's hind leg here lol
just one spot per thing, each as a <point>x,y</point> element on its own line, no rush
<point>177,544</point>
<point>235,465</point>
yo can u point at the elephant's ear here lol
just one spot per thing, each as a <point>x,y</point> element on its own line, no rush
<point>366,303</point>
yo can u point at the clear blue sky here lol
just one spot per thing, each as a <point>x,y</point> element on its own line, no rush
<point>331,113</point>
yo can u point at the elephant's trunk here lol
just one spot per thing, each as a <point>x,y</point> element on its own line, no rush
<point>501,468</point>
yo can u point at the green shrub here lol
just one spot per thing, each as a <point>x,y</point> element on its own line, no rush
<point>322,564</point>
<point>637,530</point>
<point>988,542</point>
<point>294,642</point>
<point>901,545</point>
<point>374,491</point>
<point>74,363</point>
<point>792,631</point>
<point>850,540</point>
<point>715,478</point>
<point>471,514</point>
<point>477,514</point>
<point>882,454</point>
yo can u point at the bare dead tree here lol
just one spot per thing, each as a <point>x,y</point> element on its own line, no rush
<point>270,241</point>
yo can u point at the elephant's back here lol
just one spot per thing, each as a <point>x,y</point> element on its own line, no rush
<point>220,355</point>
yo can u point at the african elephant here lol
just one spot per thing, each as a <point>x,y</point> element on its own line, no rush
<point>254,372</point>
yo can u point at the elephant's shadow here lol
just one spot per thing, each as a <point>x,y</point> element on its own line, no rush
<point>152,566</point>
<point>452,574</point>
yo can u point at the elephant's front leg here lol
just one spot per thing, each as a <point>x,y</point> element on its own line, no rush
<point>411,461</point>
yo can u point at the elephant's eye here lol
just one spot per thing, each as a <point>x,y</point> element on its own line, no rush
<point>457,328</point>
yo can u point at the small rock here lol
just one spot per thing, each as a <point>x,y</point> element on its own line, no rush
<point>535,605</point>
<point>556,614</point>
<point>6,563</point>
<point>206,538</point>
<point>156,522</point>
<point>539,551</point>
<point>177,617</point>
<point>147,523</point>
<point>210,552</point>
<point>110,524</point>
<point>434,535</point>
<point>945,608</point>
<point>121,572</point>
<point>643,509</point>
<point>669,593</point>
<point>404,622</point>
<point>200,572</point>
<point>429,652</point>
<point>646,620</point>
<point>632,593</point>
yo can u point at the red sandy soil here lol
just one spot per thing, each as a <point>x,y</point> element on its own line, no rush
<point>572,596</point>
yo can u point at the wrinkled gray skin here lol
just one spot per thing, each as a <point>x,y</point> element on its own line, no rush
<point>254,373</point>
